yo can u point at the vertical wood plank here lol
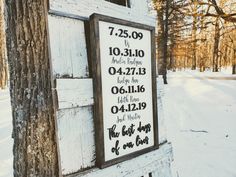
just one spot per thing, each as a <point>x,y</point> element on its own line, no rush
<point>164,170</point>
<point>161,120</point>
<point>68,47</point>
<point>157,162</point>
<point>76,139</point>
<point>141,6</point>
<point>74,93</point>
<point>84,8</point>
<point>69,58</point>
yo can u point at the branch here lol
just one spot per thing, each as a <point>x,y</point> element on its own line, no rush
<point>222,14</point>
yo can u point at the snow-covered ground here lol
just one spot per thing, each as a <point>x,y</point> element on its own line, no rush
<point>200,113</point>
<point>6,141</point>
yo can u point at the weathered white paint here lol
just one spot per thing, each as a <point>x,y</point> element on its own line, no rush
<point>74,93</point>
<point>79,92</point>
<point>68,47</point>
<point>76,139</point>
<point>161,116</point>
<point>141,6</point>
<point>75,116</point>
<point>157,162</point>
<point>84,8</point>
<point>75,126</point>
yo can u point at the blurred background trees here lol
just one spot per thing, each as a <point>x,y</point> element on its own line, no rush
<point>196,34</point>
<point>3,59</point>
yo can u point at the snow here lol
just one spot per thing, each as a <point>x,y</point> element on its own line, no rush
<point>200,113</point>
<point>6,142</point>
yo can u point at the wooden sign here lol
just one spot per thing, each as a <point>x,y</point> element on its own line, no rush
<point>124,73</point>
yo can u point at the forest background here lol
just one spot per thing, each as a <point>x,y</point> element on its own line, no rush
<point>196,34</point>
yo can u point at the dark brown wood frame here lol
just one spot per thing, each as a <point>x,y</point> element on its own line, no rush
<point>127,3</point>
<point>98,106</point>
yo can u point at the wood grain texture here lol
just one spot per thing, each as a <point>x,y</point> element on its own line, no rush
<point>34,133</point>
<point>161,115</point>
<point>157,162</point>
<point>68,47</point>
<point>70,122</point>
<point>83,9</point>
<point>76,139</point>
<point>75,115</point>
<point>141,6</point>
<point>74,93</point>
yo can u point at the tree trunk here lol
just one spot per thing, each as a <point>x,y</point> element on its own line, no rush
<point>35,150</point>
<point>234,69</point>
<point>234,62</point>
<point>160,42</point>
<point>216,47</point>
<point>162,52</point>
<point>172,60</point>
<point>3,62</point>
<point>225,56</point>
<point>194,34</point>
<point>165,49</point>
<point>194,37</point>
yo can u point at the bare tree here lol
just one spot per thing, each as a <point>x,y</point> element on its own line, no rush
<point>3,62</point>
<point>194,35</point>
<point>35,150</point>
<point>203,36</point>
<point>161,38</point>
<point>160,34</point>
<point>216,46</point>
<point>165,40</point>
<point>164,14</point>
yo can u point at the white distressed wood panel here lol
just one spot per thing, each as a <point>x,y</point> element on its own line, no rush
<point>145,175</point>
<point>68,47</point>
<point>155,161</point>
<point>161,118</point>
<point>75,126</point>
<point>76,139</point>
<point>163,172</point>
<point>141,6</point>
<point>74,93</point>
<point>73,122</point>
<point>86,8</point>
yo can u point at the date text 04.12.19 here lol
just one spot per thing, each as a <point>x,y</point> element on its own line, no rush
<point>128,107</point>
